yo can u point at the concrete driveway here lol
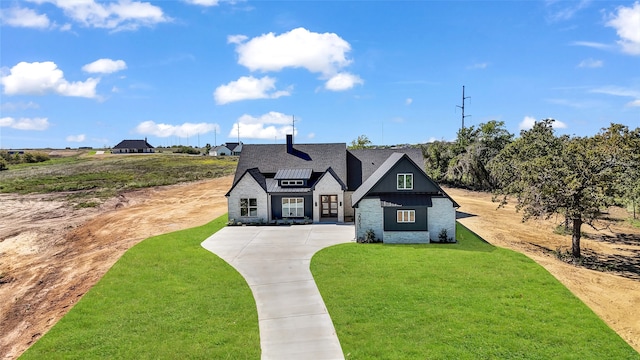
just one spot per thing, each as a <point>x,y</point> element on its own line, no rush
<point>294,322</point>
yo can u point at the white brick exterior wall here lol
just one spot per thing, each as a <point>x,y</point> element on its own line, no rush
<point>369,215</point>
<point>442,215</point>
<point>406,237</point>
<point>247,187</point>
<point>328,185</point>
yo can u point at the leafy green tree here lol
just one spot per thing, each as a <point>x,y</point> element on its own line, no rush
<point>437,156</point>
<point>575,177</point>
<point>474,149</point>
<point>362,142</point>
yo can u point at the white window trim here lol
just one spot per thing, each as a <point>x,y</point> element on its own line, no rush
<point>404,181</point>
<point>406,216</point>
<point>298,208</point>
<point>249,207</point>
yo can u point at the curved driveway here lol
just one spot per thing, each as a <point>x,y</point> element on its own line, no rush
<point>274,260</point>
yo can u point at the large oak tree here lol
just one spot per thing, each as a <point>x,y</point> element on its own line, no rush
<point>576,177</point>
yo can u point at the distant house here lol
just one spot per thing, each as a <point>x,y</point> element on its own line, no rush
<point>133,147</point>
<point>385,191</point>
<point>233,148</point>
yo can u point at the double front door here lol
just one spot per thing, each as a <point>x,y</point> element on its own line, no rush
<point>329,206</point>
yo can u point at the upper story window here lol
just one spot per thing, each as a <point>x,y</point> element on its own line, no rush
<point>291,182</point>
<point>405,181</point>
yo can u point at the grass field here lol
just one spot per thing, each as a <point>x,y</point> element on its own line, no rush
<point>166,298</point>
<point>90,179</point>
<point>468,300</point>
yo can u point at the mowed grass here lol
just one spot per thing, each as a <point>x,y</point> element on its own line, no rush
<point>166,298</point>
<point>90,177</point>
<point>468,300</point>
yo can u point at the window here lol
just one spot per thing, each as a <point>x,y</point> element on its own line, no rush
<point>248,207</point>
<point>291,182</point>
<point>405,181</point>
<point>406,216</point>
<point>292,207</point>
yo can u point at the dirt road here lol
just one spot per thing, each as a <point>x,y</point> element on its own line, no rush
<point>50,254</point>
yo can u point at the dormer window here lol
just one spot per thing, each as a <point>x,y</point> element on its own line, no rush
<point>405,182</point>
<point>291,182</point>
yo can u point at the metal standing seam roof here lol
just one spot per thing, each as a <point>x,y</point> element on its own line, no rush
<point>273,187</point>
<point>297,174</point>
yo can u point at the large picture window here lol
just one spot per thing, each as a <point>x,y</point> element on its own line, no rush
<point>292,207</point>
<point>248,207</point>
<point>405,181</point>
<point>406,216</point>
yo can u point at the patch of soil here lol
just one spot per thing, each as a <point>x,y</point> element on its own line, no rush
<point>612,292</point>
<point>52,254</point>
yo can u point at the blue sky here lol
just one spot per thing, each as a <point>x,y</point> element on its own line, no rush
<point>91,73</point>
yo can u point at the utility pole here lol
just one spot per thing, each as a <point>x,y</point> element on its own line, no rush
<point>462,107</point>
<point>238,131</point>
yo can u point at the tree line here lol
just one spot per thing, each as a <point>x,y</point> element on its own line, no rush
<point>544,173</point>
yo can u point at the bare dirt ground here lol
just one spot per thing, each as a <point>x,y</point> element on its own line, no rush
<point>50,254</point>
<point>614,295</point>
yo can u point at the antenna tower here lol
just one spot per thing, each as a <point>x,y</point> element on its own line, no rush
<point>462,107</point>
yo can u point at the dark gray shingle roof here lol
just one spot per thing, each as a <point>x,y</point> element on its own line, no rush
<point>270,158</point>
<point>133,144</point>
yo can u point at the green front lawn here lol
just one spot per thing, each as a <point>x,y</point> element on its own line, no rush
<point>468,300</point>
<point>166,298</point>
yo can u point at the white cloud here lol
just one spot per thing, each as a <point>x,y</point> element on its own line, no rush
<point>627,25</point>
<point>559,12</point>
<point>236,39</point>
<point>311,135</point>
<point>298,48</point>
<point>478,66</point>
<point>40,78</point>
<point>19,106</point>
<point>76,138</point>
<point>272,125</point>
<point>166,130</point>
<point>105,66</point>
<point>24,17</point>
<point>620,91</point>
<point>118,15</point>
<point>246,88</point>
<point>616,91</point>
<point>38,124</point>
<point>343,81</point>
<point>528,122</point>
<point>409,101</point>
<point>203,2</point>
<point>590,63</point>
<point>591,44</point>
<point>320,53</point>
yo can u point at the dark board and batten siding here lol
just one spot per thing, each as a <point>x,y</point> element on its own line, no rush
<point>391,220</point>
<point>388,184</point>
<point>276,205</point>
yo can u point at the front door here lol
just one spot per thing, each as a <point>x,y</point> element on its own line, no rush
<point>329,206</point>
